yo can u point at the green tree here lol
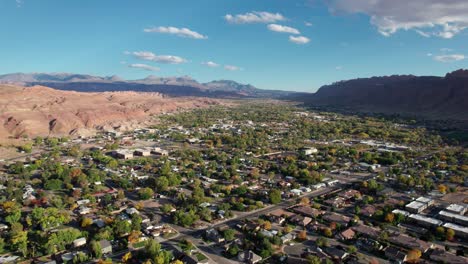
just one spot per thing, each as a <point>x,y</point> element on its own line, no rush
<point>96,249</point>
<point>275,196</point>
<point>229,234</point>
<point>145,193</point>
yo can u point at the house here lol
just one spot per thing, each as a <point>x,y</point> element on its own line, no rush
<point>213,235</point>
<point>349,194</point>
<point>3,227</point>
<point>319,186</point>
<point>79,242</point>
<point>288,237</point>
<point>8,259</point>
<point>83,210</point>
<point>395,254</point>
<point>106,246</point>
<point>331,183</point>
<point>367,231</point>
<point>410,242</point>
<point>307,211</point>
<point>131,211</point>
<point>336,253</point>
<point>336,202</point>
<point>442,256</point>
<point>348,234</point>
<point>249,257</point>
<point>308,151</point>
<point>337,218</point>
<point>368,210</point>
<point>279,216</point>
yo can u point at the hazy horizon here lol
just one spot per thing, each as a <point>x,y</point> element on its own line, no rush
<point>295,45</point>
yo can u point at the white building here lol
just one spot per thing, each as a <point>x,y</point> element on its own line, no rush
<point>457,209</point>
<point>425,221</point>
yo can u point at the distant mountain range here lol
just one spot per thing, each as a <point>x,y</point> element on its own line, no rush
<point>172,86</point>
<point>429,97</point>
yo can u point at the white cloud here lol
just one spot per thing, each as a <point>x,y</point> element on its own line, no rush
<point>429,54</point>
<point>308,24</point>
<point>19,3</point>
<point>299,39</point>
<point>446,50</point>
<point>283,29</point>
<point>149,56</point>
<point>181,32</point>
<point>440,18</point>
<point>449,57</point>
<point>254,17</point>
<point>338,68</point>
<point>210,64</point>
<point>144,67</point>
<point>232,68</point>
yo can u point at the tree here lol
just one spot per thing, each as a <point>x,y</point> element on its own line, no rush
<point>305,201</point>
<point>127,257</point>
<point>145,193</point>
<point>86,222</point>
<point>275,196</point>
<point>96,249</point>
<point>2,245</point>
<point>442,188</point>
<point>26,148</point>
<point>321,242</point>
<point>267,225</point>
<point>229,234</point>
<point>162,184</point>
<point>449,234</point>
<point>413,255</point>
<point>19,238</point>
<point>389,218</point>
<point>302,235</point>
<point>352,249</point>
<point>311,259</point>
<point>80,258</point>
<point>327,232</point>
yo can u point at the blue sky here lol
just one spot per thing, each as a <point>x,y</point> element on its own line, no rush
<point>272,44</point>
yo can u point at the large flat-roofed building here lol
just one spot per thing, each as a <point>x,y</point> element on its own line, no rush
<point>419,205</point>
<point>460,231</point>
<point>402,212</point>
<point>455,218</point>
<point>457,209</point>
<point>425,200</point>
<point>425,221</point>
<point>416,207</point>
<point>142,152</point>
<point>122,154</point>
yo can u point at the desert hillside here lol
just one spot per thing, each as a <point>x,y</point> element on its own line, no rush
<point>430,97</point>
<point>42,111</point>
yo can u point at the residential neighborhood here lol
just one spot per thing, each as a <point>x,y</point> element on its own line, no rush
<point>254,184</point>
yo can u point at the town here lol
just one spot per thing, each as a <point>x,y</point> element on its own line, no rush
<point>257,182</point>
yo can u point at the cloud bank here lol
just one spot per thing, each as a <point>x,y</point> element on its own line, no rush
<point>440,18</point>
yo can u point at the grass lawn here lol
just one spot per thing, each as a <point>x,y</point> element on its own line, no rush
<point>200,256</point>
<point>139,244</point>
